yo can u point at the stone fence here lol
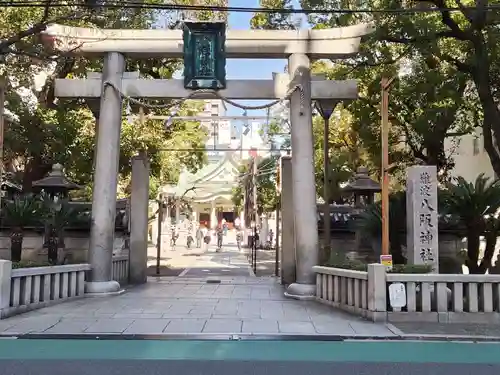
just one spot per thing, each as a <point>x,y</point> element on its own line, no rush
<point>26,289</point>
<point>430,297</point>
<point>120,269</point>
<point>75,249</point>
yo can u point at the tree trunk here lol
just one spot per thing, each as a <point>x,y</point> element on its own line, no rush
<point>36,169</point>
<point>482,80</point>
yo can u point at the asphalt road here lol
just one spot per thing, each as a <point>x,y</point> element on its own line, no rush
<point>155,367</point>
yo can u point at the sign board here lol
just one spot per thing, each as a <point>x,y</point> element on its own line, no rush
<point>422,216</point>
<point>397,295</point>
<point>204,55</point>
<point>386,260</point>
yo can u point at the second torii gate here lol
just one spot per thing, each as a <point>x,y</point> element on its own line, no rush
<point>299,47</point>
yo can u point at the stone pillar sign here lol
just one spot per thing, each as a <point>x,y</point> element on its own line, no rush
<point>422,216</point>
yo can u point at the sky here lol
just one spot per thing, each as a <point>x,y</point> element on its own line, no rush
<point>249,68</point>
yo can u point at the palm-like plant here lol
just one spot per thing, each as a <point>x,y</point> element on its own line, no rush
<point>371,223</point>
<point>476,204</point>
<point>58,216</point>
<point>19,213</point>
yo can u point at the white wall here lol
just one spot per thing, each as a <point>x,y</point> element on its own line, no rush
<point>470,157</point>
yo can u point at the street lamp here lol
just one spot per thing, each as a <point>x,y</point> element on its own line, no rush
<point>325,109</point>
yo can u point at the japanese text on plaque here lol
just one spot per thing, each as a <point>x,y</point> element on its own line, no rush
<point>426,228</point>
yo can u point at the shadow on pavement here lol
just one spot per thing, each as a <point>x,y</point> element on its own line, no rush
<point>164,271</point>
<point>153,258</point>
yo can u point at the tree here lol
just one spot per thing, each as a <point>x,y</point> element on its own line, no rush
<point>19,213</point>
<point>464,43</point>
<point>476,205</point>
<point>346,153</point>
<point>266,20</point>
<point>267,196</point>
<point>432,98</point>
<point>44,131</point>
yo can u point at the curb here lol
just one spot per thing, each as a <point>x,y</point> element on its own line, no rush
<point>243,337</point>
<point>438,337</point>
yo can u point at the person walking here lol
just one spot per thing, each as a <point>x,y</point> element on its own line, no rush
<point>239,238</point>
<point>199,236</point>
<point>206,237</point>
<point>220,236</point>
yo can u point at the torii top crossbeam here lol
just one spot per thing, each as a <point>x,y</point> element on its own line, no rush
<point>331,43</point>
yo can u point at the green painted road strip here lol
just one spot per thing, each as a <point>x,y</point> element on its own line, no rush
<point>347,351</point>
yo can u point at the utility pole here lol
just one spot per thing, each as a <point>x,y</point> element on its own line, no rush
<point>277,234</point>
<point>386,84</point>
<point>254,190</point>
<point>2,116</point>
<point>159,238</point>
<point>256,213</point>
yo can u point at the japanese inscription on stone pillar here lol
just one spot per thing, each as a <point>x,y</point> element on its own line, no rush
<point>422,216</point>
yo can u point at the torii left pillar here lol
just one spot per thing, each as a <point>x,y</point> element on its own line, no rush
<point>303,186</point>
<point>102,230</point>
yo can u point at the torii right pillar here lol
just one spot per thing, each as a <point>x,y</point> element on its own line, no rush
<point>303,183</point>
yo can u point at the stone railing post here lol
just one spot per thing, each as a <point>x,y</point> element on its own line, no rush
<point>377,292</point>
<point>5,277</point>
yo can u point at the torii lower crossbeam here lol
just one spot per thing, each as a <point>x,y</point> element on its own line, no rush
<point>236,89</point>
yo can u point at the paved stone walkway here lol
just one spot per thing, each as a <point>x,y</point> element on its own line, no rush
<point>215,293</point>
<point>200,262</point>
<point>446,329</point>
<point>177,305</point>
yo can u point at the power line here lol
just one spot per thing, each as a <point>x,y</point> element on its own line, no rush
<point>219,149</point>
<point>174,7</point>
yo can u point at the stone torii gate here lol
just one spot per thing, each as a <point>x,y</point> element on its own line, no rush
<point>299,47</point>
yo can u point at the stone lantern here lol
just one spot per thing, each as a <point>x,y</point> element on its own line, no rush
<point>362,187</point>
<point>56,183</point>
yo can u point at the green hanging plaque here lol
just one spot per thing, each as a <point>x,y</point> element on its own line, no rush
<point>204,55</point>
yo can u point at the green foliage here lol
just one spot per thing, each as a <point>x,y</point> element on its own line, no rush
<point>29,264</point>
<point>473,201</point>
<point>280,21</point>
<point>267,197</point>
<point>32,264</point>
<point>477,205</point>
<point>22,211</point>
<point>370,223</point>
<point>444,64</point>
<point>44,131</point>
<point>346,152</point>
<point>61,214</point>
<point>340,261</point>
